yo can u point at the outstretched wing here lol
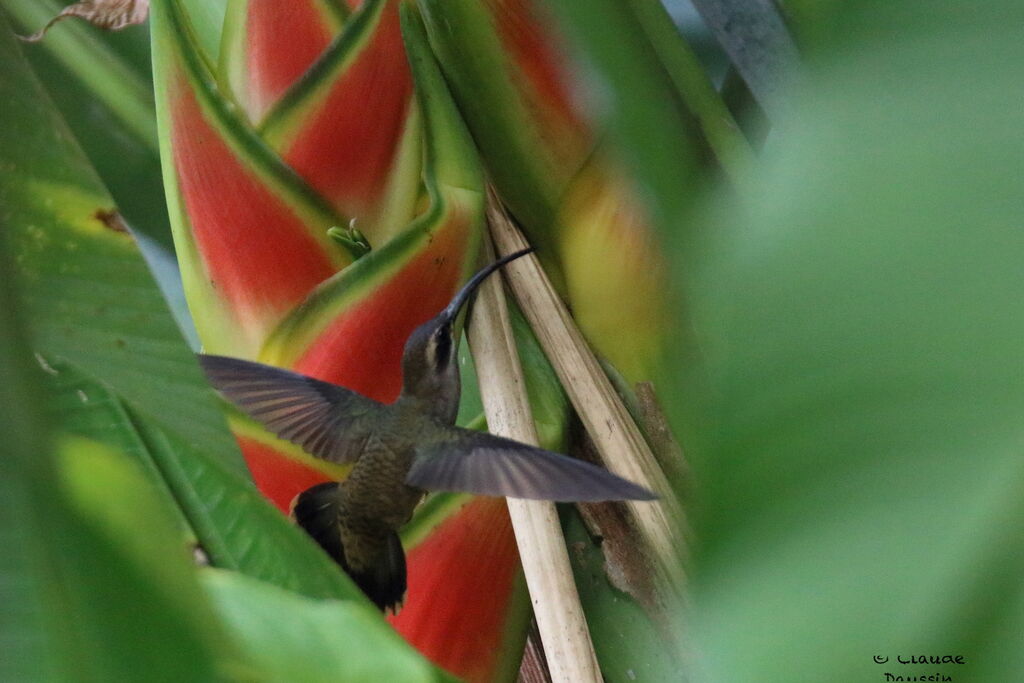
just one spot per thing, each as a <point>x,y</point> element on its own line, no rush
<point>326,420</point>
<point>489,465</point>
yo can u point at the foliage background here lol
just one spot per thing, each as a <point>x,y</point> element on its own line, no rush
<point>847,375</point>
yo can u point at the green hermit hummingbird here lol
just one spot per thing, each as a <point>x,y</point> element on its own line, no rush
<point>400,450</point>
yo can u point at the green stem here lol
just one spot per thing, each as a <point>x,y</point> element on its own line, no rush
<point>694,88</point>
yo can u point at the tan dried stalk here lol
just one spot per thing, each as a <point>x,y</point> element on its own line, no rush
<point>560,620</point>
<point>616,436</point>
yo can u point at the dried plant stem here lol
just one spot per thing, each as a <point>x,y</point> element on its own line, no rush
<point>619,442</point>
<point>556,606</point>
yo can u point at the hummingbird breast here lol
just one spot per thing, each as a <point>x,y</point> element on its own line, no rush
<point>375,494</point>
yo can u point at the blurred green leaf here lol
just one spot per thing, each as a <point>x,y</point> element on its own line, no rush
<point>292,639</point>
<point>90,299</point>
<point>207,18</point>
<point>22,476</point>
<point>95,313</point>
<point>95,570</point>
<point>854,416</point>
<point>112,578</point>
<point>813,22</point>
<point>693,86</point>
<point>654,133</point>
<point>83,568</point>
<point>102,86</point>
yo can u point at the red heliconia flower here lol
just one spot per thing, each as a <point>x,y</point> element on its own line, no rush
<point>314,119</point>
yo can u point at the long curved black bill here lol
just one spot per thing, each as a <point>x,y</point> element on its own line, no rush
<point>466,293</point>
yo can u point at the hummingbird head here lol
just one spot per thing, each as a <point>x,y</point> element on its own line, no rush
<point>430,370</point>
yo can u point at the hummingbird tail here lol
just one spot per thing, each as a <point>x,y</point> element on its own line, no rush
<point>385,585</point>
<point>384,582</point>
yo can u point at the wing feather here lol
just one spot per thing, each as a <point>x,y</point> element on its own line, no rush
<point>475,462</point>
<point>325,419</point>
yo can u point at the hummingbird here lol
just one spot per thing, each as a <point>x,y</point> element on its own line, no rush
<point>401,450</point>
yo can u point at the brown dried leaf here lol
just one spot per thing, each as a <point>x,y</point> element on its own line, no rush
<point>534,667</point>
<point>107,14</point>
<point>666,449</point>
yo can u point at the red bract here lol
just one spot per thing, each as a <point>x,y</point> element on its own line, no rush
<point>256,251</point>
<point>328,132</point>
<point>476,545</point>
<point>341,126</point>
<point>370,334</point>
<point>259,65</point>
<point>278,477</point>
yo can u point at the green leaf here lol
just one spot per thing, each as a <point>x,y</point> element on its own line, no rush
<point>117,580</point>
<point>89,409</point>
<point>91,301</point>
<point>451,158</point>
<point>529,168</point>
<point>693,86</point>
<point>854,417</point>
<point>548,403</point>
<point>84,569</point>
<point>240,530</point>
<point>293,639</point>
<point>223,512</point>
<point>654,133</point>
<point>101,84</point>
<point>22,628</point>
<point>100,325</point>
<point>629,645</point>
<point>93,570</point>
<point>208,22</point>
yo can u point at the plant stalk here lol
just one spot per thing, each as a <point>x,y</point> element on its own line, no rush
<point>556,605</point>
<point>619,441</point>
